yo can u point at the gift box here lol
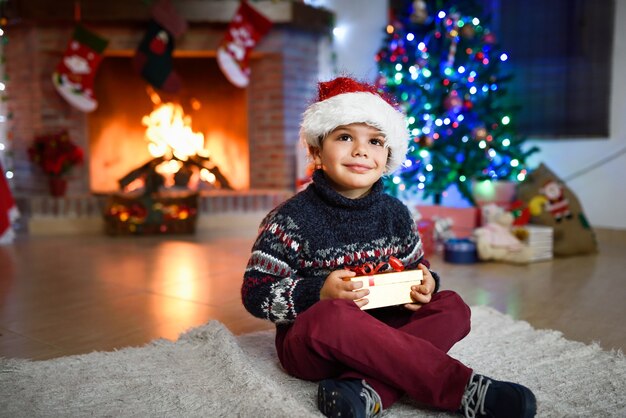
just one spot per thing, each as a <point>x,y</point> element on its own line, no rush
<point>539,238</point>
<point>389,289</point>
<point>460,251</point>
<point>493,192</point>
<point>426,229</point>
<point>462,220</point>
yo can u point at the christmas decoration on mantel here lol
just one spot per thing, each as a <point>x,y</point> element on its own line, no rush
<point>443,64</point>
<point>153,58</point>
<point>161,195</point>
<point>245,30</point>
<point>75,73</point>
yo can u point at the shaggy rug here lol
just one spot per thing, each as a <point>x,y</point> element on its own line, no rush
<point>209,372</point>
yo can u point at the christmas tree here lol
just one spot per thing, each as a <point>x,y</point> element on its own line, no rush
<point>443,64</point>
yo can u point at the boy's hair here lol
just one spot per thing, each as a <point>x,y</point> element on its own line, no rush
<point>343,101</point>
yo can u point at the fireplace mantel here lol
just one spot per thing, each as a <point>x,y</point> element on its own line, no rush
<point>292,13</point>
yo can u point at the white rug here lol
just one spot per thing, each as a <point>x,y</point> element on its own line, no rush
<point>210,373</point>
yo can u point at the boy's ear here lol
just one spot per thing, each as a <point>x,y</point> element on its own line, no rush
<point>314,152</point>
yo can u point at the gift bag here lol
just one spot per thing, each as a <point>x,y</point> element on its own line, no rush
<point>554,204</point>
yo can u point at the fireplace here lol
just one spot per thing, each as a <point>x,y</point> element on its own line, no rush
<point>216,110</point>
<point>251,133</point>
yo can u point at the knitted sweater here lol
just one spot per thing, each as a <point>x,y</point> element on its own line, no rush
<point>315,232</point>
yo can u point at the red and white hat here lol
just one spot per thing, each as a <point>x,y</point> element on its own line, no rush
<point>343,101</point>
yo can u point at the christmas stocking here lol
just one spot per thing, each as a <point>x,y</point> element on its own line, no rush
<point>245,30</point>
<point>153,59</point>
<point>74,75</point>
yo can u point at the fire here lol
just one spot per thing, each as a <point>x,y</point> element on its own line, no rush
<point>179,156</point>
<point>170,134</point>
<point>171,137</point>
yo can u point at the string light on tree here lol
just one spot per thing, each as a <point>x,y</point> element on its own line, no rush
<point>444,69</point>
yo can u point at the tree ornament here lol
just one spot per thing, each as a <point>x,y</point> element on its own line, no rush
<point>153,58</point>
<point>420,12</point>
<point>75,73</point>
<point>479,133</point>
<point>453,102</point>
<point>468,32</point>
<point>244,32</point>
<point>489,38</point>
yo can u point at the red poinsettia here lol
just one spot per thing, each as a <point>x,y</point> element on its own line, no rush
<point>56,154</point>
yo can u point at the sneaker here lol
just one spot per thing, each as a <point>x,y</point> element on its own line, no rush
<point>350,398</point>
<point>485,397</point>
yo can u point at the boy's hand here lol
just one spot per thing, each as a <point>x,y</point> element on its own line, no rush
<point>422,293</point>
<point>339,286</point>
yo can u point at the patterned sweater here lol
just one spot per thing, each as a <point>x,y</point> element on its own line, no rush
<point>315,232</point>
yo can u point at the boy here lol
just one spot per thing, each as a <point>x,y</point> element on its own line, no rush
<point>309,244</point>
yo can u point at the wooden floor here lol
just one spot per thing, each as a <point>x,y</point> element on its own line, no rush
<point>76,294</point>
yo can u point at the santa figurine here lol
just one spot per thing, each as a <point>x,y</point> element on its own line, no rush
<point>557,204</point>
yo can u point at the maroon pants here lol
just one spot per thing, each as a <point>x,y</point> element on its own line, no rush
<point>395,350</point>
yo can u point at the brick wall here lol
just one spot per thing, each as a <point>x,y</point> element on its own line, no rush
<point>284,71</point>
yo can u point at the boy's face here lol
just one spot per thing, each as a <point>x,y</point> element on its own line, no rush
<point>353,157</point>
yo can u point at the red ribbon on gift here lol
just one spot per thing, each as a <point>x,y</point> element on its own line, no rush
<point>369,269</point>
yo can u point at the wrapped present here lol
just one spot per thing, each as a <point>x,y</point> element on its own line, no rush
<point>494,192</point>
<point>426,229</point>
<point>461,221</point>
<point>539,238</point>
<point>389,289</point>
<point>460,251</point>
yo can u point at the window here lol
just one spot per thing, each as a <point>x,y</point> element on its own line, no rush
<point>561,64</point>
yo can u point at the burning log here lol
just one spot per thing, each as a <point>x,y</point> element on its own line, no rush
<point>199,162</point>
<point>140,172</point>
<point>153,181</point>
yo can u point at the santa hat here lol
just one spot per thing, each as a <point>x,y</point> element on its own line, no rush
<point>343,101</point>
